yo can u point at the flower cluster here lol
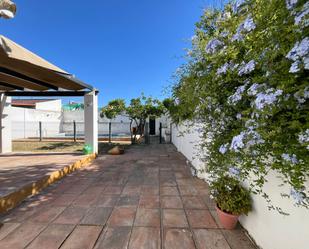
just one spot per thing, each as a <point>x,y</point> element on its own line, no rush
<point>266,98</point>
<point>223,69</point>
<point>237,4</point>
<point>213,46</point>
<point>237,95</point>
<point>291,3</point>
<point>291,159</point>
<point>246,68</point>
<point>300,52</point>
<point>297,196</point>
<point>300,18</point>
<point>247,83</point>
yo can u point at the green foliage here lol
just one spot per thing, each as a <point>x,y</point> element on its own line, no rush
<point>138,111</point>
<point>143,107</point>
<point>246,80</point>
<point>113,108</point>
<point>230,196</point>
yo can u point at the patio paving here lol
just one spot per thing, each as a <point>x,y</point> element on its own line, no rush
<point>20,169</point>
<point>143,199</point>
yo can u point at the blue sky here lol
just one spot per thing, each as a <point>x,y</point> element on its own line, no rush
<point>122,47</point>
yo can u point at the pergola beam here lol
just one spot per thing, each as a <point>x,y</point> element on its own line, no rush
<point>11,86</point>
<point>46,93</point>
<point>27,78</point>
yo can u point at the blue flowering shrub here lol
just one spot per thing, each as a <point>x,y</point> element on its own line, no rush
<point>246,80</point>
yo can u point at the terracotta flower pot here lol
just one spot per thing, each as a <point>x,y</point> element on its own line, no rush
<point>227,220</point>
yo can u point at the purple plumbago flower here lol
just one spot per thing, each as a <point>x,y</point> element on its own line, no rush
<point>291,159</point>
<point>297,196</point>
<point>234,171</point>
<point>246,68</point>
<point>237,142</point>
<point>300,16</point>
<point>236,5</point>
<point>266,98</point>
<point>213,45</point>
<point>237,37</point>
<point>294,67</point>
<point>300,50</point>
<point>255,138</point>
<point>224,34</point>
<point>304,137</point>
<point>237,95</point>
<point>223,69</point>
<point>253,89</point>
<point>306,93</point>
<point>249,24</point>
<point>290,3</point>
<point>303,48</point>
<point>223,148</point>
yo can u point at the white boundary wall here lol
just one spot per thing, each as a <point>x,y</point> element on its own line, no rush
<point>269,229</point>
<point>25,123</point>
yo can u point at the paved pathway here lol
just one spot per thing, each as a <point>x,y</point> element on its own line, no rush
<point>143,199</point>
<point>20,169</point>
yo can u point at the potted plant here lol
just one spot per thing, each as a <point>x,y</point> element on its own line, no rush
<point>232,200</point>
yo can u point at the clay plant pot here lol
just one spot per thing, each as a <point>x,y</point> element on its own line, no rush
<point>228,221</point>
<point>117,150</point>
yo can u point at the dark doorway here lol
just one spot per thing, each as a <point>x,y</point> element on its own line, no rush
<point>152,126</point>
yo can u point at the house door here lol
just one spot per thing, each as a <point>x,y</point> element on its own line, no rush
<point>152,126</point>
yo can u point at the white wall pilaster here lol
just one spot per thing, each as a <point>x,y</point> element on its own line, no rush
<point>91,120</point>
<point>5,124</point>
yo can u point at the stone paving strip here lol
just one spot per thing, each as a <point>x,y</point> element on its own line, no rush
<point>23,175</point>
<point>144,199</point>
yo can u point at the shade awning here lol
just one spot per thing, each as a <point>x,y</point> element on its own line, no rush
<point>22,70</point>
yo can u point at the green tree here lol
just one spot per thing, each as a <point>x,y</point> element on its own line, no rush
<point>113,108</point>
<point>137,111</point>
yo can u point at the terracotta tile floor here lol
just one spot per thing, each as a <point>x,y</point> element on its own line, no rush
<point>20,169</point>
<point>143,199</point>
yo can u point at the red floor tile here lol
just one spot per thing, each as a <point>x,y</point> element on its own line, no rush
<point>145,238</point>
<point>178,238</point>
<point>147,217</point>
<point>114,238</point>
<point>52,237</point>
<point>149,202</point>
<point>171,202</point>
<point>174,218</point>
<point>122,216</point>
<point>83,237</point>
<point>201,219</point>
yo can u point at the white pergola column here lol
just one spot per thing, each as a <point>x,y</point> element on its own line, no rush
<point>91,120</point>
<point>5,124</point>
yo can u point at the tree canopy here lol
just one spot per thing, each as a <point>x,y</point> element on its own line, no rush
<point>138,111</point>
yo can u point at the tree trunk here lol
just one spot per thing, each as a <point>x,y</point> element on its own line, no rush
<point>137,127</point>
<point>131,132</point>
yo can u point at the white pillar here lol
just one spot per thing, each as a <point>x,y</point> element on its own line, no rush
<point>5,124</point>
<point>91,120</point>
